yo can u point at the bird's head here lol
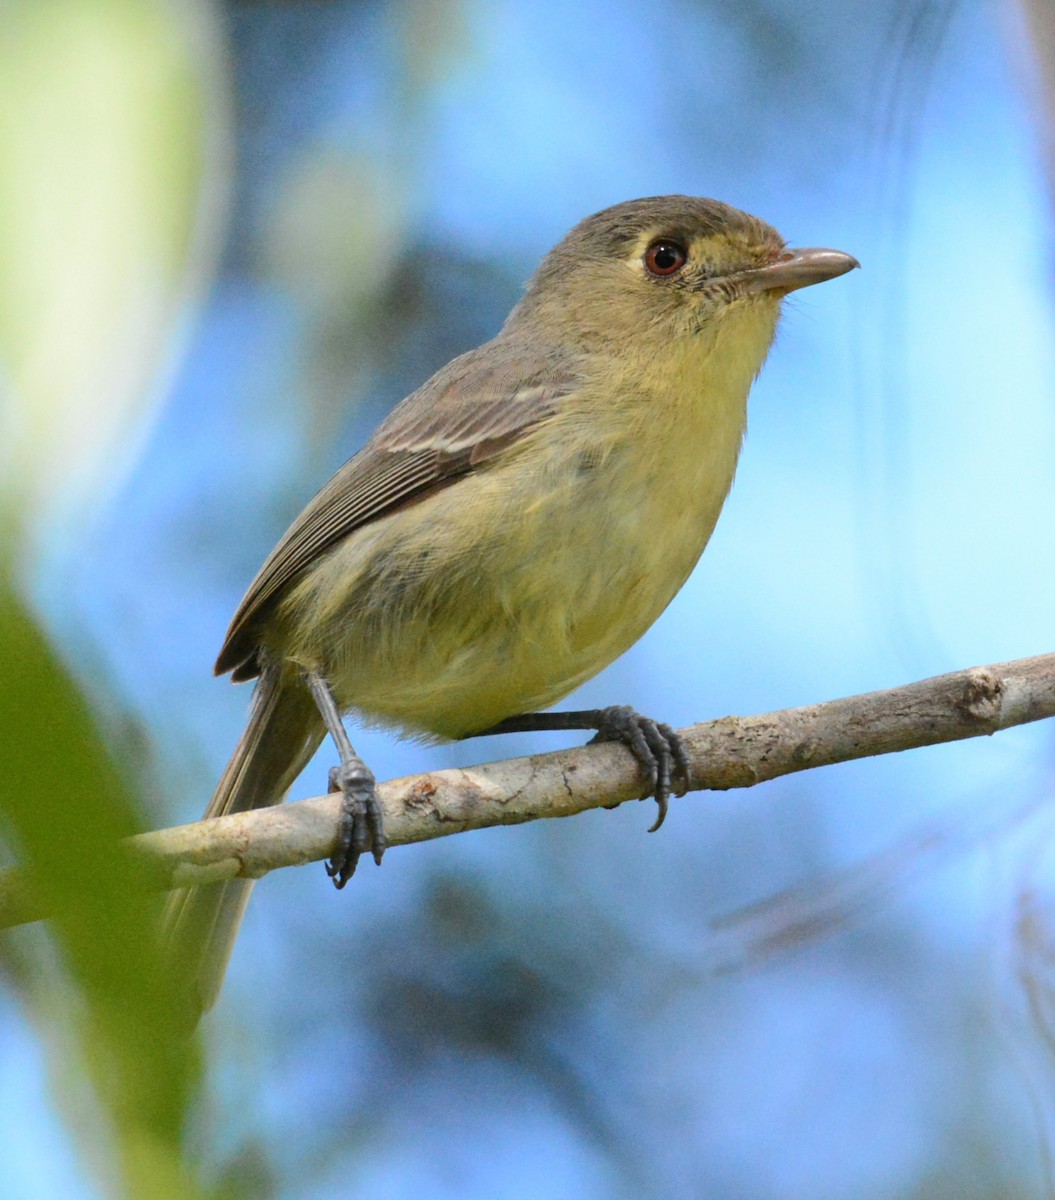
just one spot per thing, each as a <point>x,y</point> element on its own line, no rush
<point>668,267</point>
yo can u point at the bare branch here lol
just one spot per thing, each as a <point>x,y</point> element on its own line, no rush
<point>729,753</point>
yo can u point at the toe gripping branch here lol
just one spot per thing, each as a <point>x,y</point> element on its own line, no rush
<point>361,828</point>
<point>659,751</point>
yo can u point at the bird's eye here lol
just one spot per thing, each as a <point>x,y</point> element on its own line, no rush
<point>665,257</point>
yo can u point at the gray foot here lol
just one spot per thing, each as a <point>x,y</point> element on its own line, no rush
<point>362,828</point>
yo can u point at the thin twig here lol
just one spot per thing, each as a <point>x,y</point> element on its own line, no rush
<point>729,753</point>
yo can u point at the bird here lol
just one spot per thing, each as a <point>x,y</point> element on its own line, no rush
<point>511,528</point>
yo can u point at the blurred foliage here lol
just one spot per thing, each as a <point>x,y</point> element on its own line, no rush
<point>104,1005</point>
<point>110,139</point>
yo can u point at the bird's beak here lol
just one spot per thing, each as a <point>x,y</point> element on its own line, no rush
<point>799,269</point>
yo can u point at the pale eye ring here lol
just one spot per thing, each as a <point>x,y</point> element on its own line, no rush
<point>665,257</point>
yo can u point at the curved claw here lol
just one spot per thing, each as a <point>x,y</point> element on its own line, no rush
<point>658,749</point>
<point>661,814</point>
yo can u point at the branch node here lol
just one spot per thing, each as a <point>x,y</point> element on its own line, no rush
<point>982,697</point>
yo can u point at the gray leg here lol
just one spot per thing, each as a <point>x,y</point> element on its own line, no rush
<point>361,828</point>
<point>659,751</point>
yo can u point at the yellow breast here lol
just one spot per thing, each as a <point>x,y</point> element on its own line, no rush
<point>502,593</point>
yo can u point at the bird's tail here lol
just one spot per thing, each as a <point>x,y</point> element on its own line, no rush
<point>200,924</point>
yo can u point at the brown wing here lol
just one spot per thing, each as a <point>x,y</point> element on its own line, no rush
<point>466,414</point>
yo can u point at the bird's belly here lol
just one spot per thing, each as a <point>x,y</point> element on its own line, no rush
<point>494,598</point>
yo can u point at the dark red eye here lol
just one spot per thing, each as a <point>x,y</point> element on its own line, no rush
<point>665,257</point>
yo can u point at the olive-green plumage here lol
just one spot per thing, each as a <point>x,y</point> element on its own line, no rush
<point>521,519</point>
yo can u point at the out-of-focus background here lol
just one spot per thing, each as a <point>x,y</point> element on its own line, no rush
<point>232,236</point>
